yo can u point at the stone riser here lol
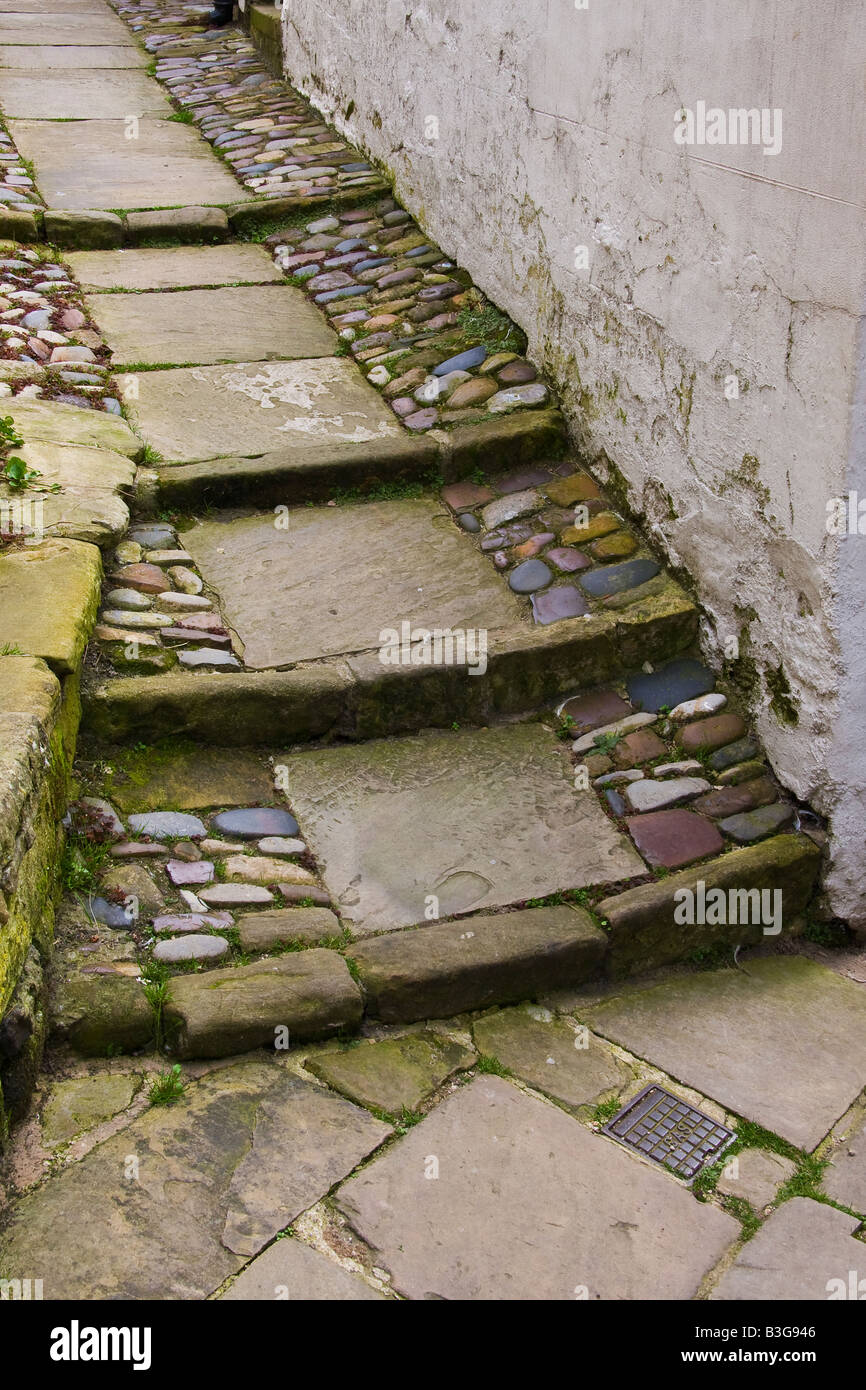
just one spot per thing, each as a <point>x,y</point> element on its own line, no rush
<point>283,479</point>
<point>359,698</point>
<point>432,971</point>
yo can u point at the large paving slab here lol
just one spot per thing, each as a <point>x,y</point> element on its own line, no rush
<point>93,164</point>
<point>845,1176</point>
<point>62,27</point>
<point>398,563</point>
<point>98,7</point>
<point>780,1041</point>
<point>293,1271</point>
<point>175,267</point>
<point>476,819</point>
<point>200,413</point>
<point>524,1203</point>
<point>38,57</point>
<point>805,1250</point>
<point>244,324</point>
<point>102,95</point>
<point>218,1175</point>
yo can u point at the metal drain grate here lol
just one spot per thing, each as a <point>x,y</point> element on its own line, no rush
<point>669,1131</point>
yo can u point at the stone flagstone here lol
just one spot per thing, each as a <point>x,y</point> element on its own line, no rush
<point>394,1074</point>
<point>269,321</point>
<point>804,1251</point>
<point>238,1157</point>
<point>290,1269</point>
<point>780,1041</point>
<point>80,95</point>
<point>414,571</point>
<point>38,57</point>
<point>528,1205</point>
<point>845,1176</point>
<point>576,1068</point>
<point>92,164</point>
<point>173,268</point>
<point>501,823</point>
<point>249,409</point>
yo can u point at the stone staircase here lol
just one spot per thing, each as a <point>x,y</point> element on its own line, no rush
<point>372,612</point>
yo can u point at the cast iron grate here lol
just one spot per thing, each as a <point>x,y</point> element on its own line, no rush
<point>666,1129</point>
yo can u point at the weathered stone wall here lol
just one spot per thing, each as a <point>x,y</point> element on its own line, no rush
<point>521,134</point>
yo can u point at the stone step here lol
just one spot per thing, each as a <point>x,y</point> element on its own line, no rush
<point>354,666</point>
<point>302,996</point>
<point>476,962</point>
<point>659,923</point>
<point>279,458</point>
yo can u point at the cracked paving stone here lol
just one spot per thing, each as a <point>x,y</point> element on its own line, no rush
<point>576,1068</point>
<point>394,1074</point>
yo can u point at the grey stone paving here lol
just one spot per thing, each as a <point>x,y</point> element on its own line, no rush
<point>247,324</point>
<point>199,413</point>
<point>477,819</point>
<point>576,1068</point>
<point>38,57</point>
<point>781,1041</point>
<point>497,1195</point>
<point>755,1175</point>
<point>176,267</point>
<point>100,95</point>
<point>93,164</point>
<point>405,567</point>
<point>68,27</point>
<point>289,1270</point>
<point>845,1177</point>
<point>218,1174</point>
<point>806,1251</point>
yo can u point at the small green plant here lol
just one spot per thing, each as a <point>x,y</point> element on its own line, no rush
<point>565,729</point>
<point>183,117</point>
<point>9,435</point>
<point>157,982</point>
<point>17,475</point>
<point>606,1109</point>
<point>89,834</point>
<point>10,649</point>
<point>605,743</point>
<point>491,1066</point>
<point>483,323</point>
<point>166,1088</point>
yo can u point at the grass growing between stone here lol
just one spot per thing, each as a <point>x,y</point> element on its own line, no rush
<point>167,1087</point>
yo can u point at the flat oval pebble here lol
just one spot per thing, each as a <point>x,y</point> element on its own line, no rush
<point>167,825</point>
<point>129,599</point>
<point>650,795</point>
<point>704,704</point>
<point>463,362</point>
<point>513,397</point>
<point>191,921</point>
<point>254,822</point>
<point>182,872</point>
<point>278,844</point>
<point>235,894</point>
<point>531,575</point>
<point>193,947</point>
<point>252,868</point>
